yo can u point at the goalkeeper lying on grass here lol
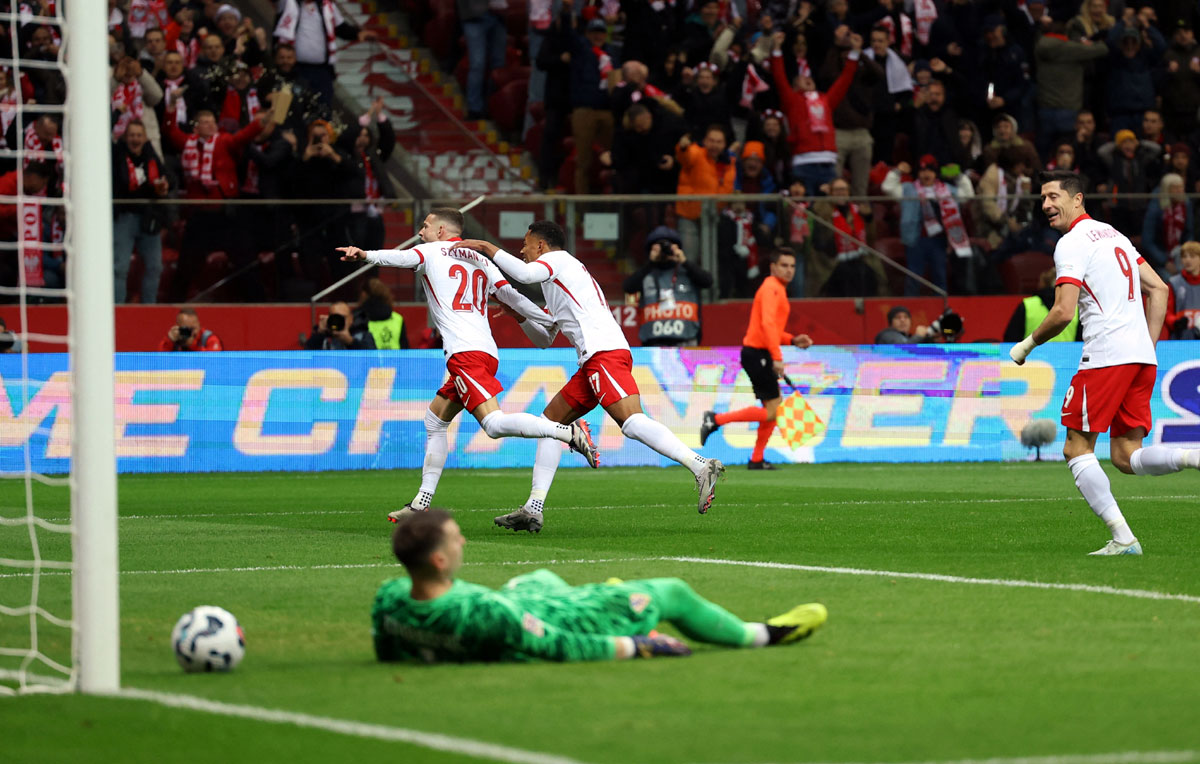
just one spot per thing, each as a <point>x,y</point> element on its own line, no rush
<point>433,616</point>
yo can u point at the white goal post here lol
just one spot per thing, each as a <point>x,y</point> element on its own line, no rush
<point>90,279</point>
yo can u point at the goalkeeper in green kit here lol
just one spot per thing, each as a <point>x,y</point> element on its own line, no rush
<point>432,616</point>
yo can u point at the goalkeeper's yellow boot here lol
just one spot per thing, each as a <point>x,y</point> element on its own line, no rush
<point>797,623</point>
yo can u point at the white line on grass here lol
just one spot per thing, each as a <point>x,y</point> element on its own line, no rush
<point>1122,757</point>
<point>1145,594</point>
<point>449,743</point>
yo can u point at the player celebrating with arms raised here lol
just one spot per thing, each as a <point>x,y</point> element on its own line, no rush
<point>577,306</point>
<point>1099,269</point>
<point>457,293</point>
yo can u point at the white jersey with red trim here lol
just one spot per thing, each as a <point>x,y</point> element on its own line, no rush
<point>456,290</point>
<point>573,298</point>
<point>1103,263</point>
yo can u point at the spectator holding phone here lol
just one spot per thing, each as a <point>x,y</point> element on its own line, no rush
<point>333,332</point>
<point>188,335</point>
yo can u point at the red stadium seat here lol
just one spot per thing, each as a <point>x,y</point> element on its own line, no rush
<point>1020,272</point>
<point>533,137</point>
<point>507,105</point>
<point>440,35</point>
<point>501,77</point>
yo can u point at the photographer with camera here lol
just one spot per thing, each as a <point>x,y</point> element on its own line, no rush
<point>668,300</point>
<point>334,331</point>
<point>187,335</point>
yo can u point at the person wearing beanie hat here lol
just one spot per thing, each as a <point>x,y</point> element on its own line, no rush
<point>931,223</point>
<point>1131,167</point>
<point>1180,88</point>
<point>1004,136</point>
<point>1137,49</point>
<point>900,330</point>
<point>1179,161</point>
<point>667,287</point>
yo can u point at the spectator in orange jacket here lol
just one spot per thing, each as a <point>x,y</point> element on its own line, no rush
<point>810,114</point>
<point>188,335</point>
<point>703,169</point>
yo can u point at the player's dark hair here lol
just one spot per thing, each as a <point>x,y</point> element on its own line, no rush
<point>41,169</point>
<point>450,217</point>
<point>1070,182</point>
<point>779,252</point>
<point>549,232</point>
<point>417,536</point>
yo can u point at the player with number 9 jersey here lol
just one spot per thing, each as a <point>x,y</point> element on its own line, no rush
<point>1099,270</point>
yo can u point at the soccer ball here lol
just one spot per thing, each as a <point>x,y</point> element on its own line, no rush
<point>208,638</point>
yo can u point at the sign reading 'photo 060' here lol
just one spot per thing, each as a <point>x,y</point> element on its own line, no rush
<point>312,411</point>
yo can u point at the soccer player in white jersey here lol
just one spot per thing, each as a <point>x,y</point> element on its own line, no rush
<point>577,307</point>
<point>1099,269</point>
<point>457,292</point>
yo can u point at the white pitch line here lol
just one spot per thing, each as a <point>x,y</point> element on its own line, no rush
<point>1016,583</point>
<point>816,503</point>
<point>1145,594</point>
<point>435,741</point>
<point>1122,757</point>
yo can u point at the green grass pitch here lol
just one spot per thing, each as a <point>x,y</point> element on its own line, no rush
<point>908,669</point>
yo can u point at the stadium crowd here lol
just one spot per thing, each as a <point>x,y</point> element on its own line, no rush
<point>949,106</point>
<point>208,106</point>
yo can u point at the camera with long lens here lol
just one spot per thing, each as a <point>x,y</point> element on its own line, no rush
<point>185,332</point>
<point>335,323</point>
<point>949,325</point>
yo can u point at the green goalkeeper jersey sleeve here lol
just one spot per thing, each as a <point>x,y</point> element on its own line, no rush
<point>473,623</point>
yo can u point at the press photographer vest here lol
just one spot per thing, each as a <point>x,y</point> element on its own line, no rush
<point>1036,310</point>
<point>387,332</point>
<point>669,308</point>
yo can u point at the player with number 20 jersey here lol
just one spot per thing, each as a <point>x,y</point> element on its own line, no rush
<point>1099,270</point>
<point>457,292</point>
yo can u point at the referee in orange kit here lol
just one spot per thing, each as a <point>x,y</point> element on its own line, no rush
<point>762,358</point>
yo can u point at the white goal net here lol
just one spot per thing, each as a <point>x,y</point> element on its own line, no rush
<point>58,605</point>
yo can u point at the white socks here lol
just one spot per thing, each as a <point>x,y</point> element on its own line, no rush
<point>656,435</point>
<point>545,464</point>
<point>500,425</point>
<point>1094,485</point>
<point>1163,460</point>
<point>436,449</point>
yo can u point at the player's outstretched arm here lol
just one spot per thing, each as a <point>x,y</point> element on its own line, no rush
<point>398,258</point>
<point>1157,293</point>
<point>537,326</point>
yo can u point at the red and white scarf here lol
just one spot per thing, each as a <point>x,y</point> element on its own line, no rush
<point>34,144</point>
<point>819,118</point>
<point>8,112</point>
<point>174,86</point>
<point>745,245</point>
<point>926,13</point>
<point>285,30</point>
<point>31,236</point>
<point>799,232</point>
<point>130,97</point>
<point>604,61</point>
<point>906,33</point>
<point>189,49</point>
<point>951,217</point>
<point>752,85</point>
<point>854,226</point>
<point>147,14</point>
<point>198,160</point>
<point>148,173</point>
<point>232,107</point>
<point>1174,221</point>
<point>372,183</point>
<point>802,67</point>
<point>250,184</point>
<point>541,14</point>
